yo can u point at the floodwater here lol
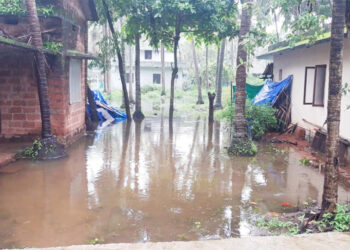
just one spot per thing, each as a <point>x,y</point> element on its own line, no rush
<point>139,183</point>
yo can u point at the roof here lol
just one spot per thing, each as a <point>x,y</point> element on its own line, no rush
<point>281,47</point>
<point>6,43</point>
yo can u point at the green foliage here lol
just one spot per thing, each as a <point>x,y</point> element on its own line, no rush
<point>304,161</point>
<point>149,88</point>
<point>96,241</point>
<point>11,7</point>
<point>339,221</point>
<point>261,118</point>
<point>55,47</point>
<point>33,151</point>
<point>17,7</point>
<point>275,225</point>
<point>242,147</point>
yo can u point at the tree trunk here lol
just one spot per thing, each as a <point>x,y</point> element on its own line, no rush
<point>240,122</point>
<point>330,188</point>
<point>106,75</point>
<point>162,58</point>
<point>138,115</point>
<point>217,66</point>
<point>211,97</point>
<point>206,67</point>
<point>43,91</point>
<point>50,148</point>
<point>173,75</point>
<point>131,79</point>
<point>199,82</point>
<point>120,60</point>
<point>218,104</point>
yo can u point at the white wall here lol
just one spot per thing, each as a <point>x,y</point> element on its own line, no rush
<point>294,63</point>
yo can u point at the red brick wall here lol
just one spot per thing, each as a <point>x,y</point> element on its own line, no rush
<point>19,103</point>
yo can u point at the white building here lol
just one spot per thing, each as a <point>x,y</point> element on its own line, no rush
<point>150,66</point>
<point>309,65</point>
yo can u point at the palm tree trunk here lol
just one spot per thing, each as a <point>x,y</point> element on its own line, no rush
<point>162,58</point>
<point>50,148</point>
<point>43,91</point>
<point>131,79</point>
<point>217,66</point>
<point>174,73</point>
<point>240,122</point>
<point>206,67</point>
<point>199,82</point>
<point>218,104</point>
<point>138,115</point>
<point>120,59</point>
<point>330,188</point>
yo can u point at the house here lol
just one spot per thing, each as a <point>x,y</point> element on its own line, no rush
<point>309,66</point>
<point>150,67</point>
<point>66,45</point>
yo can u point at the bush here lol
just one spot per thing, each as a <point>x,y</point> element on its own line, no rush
<point>149,88</point>
<point>242,147</point>
<point>261,119</point>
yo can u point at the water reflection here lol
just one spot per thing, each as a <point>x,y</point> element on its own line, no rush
<point>138,182</point>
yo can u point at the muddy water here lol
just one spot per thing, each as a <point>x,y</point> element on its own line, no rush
<point>139,183</point>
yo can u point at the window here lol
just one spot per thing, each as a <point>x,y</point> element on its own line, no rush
<point>309,85</point>
<point>156,78</point>
<point>74,81</point>
<point>280,75</point>
<point>315,78</point>
<point>127,77</point>
<point>148,54</point>
<point>320,79</point>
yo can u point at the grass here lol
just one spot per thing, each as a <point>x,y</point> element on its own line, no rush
<point>184,100</point>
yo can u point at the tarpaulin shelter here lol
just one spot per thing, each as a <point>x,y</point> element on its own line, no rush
<point>277,94</point>
<point>252,90</point>
<point>271,91</point>
<point>104,109</point>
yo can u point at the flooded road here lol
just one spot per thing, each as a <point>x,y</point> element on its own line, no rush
<point>139,183</point>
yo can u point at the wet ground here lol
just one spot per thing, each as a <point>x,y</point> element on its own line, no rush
<point>141,183</point>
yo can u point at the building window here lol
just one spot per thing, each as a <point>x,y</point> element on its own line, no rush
<point>127,77</point>
<point>280,75</point>
<point>315,79</point>
<point>74,81</point>
<point>148,54</point>
<point>309,85</point>
<point>156,78</point>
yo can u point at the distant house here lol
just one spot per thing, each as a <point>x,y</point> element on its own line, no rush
<point>309,65</point>
<point>65,36</point>
<point>150,67</point>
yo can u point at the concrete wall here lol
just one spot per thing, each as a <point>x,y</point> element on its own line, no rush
<point>294,63</point>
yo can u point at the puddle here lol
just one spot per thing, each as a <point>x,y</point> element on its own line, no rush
<point>137,183</point>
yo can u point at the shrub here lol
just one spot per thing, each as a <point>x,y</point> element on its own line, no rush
<point>149,88</point>
<point>261,119</point>
<point>242,147</point>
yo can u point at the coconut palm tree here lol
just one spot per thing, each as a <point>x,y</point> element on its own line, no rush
<point>48,141</point>
<point>218,103</point>
<point>198,79</point>
<point>120,53</point>
<point>330,188</point>
<point>162,58</point>
<point>240,122</point>
<point>138,115</point>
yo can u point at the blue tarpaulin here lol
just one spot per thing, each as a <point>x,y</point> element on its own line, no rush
<point>270,92</point>
<point>104,108</point>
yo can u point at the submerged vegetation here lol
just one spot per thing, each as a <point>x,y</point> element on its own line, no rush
<point>307,222</point>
